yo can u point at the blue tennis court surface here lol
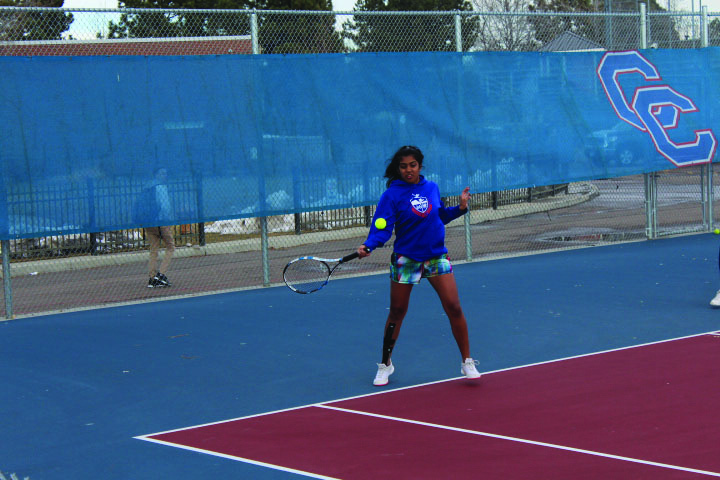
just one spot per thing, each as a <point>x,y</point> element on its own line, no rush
<point>79,386</point>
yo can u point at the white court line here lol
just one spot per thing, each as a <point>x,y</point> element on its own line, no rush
<point>522,440</point>
<point>240,459</point>
<point>324,405</point>
<point>383,392</point>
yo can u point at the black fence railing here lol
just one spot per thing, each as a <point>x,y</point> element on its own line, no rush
<point>99,243</point>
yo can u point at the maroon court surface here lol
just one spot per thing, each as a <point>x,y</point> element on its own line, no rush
<point>646,412</point>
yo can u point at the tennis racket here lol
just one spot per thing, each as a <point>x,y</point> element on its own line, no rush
<point>310,274</point>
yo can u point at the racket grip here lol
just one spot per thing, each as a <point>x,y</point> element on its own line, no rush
<point>349,257</point>
<point>352,256</point>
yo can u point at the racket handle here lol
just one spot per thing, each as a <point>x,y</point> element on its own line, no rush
<point>352,256</point>
<point>349,257</point>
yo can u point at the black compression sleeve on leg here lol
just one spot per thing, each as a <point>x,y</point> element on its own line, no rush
<point>388,343</point>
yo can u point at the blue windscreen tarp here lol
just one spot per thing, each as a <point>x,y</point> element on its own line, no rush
<point>251,136</point>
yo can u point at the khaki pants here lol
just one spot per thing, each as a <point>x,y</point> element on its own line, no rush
<point>154,235</point>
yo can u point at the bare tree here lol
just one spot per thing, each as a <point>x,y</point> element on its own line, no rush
<point>504,31</point>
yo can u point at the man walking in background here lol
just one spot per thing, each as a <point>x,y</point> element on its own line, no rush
<point>158,277</point>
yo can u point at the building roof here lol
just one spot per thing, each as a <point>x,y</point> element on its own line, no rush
<point>131,46</point>
<point>570,42</point>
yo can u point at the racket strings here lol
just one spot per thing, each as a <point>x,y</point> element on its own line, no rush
<point>306,275</point>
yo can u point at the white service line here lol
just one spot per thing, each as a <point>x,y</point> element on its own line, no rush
<point>391,390</point>
<point>522,440</point>
<point>240,459</point>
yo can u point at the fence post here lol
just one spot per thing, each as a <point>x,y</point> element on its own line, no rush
<point>703,197</point>
<point>708,169</point>
<point>263,220</point>
<point>706,192</point>
<point>264,247</point>
<point>458,33</point>
<point>7,283</point>
<point>608,26</point>
<point>643,25</point>
<point>711,196</point>
<point>459,48</point>
<point>200,205</point>
<point>254,33</point>
<point>650,205</point>
<point>92,216</point>
<point>367,215</point>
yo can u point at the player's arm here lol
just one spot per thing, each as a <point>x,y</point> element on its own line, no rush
<point>448,214</point>
<point>384,217</point>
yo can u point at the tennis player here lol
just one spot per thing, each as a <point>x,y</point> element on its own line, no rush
<point>715,302</point>
<point>411,205</point>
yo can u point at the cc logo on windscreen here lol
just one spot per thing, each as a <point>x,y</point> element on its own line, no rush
<point>654,108</point>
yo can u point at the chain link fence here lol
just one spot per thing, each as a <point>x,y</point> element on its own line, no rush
<point>49,31</point>
<point>105,268</point>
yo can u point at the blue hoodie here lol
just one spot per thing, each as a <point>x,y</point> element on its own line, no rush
<point>418,216</point>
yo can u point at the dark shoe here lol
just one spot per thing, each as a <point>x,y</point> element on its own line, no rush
<point>162,280</point>
<point>154,282</point>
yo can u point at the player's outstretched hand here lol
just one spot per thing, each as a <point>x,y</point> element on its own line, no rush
<point>464,198</point>
<point>363,251</point>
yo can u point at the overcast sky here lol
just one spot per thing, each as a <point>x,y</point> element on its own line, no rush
<point>339,5</point>
<point>87,25</point>
<point>347,5</point>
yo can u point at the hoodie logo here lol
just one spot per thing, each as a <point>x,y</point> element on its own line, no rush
<point>420,205</point>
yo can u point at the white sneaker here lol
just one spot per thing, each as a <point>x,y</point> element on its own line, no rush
<point>715,302</point>
<point>468,368</point>
<point>384,371</point>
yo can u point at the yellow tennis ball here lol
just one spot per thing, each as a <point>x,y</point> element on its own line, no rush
<point>380,223</point>
<point>717,231</point>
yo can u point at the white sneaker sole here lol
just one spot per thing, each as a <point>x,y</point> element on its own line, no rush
<point>387,379</point>
<point>471,375</point>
